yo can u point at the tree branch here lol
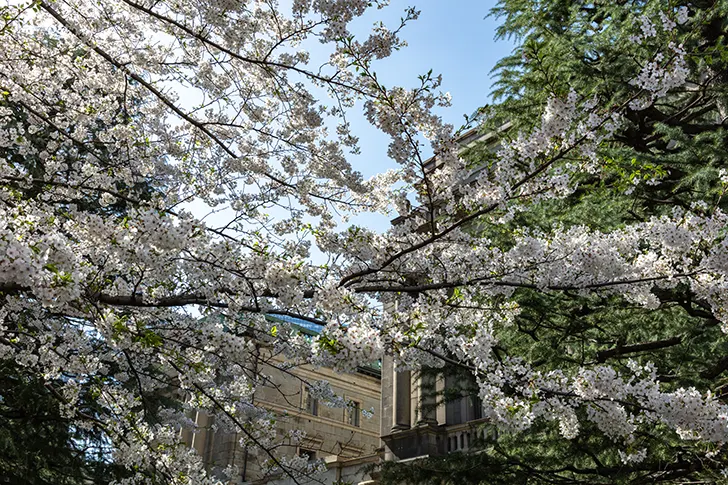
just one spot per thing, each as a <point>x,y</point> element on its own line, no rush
<point>603,355</point>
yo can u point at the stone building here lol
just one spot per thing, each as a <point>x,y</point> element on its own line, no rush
<point>427,413</point>
<point>345,439</point>
<point>418,421</point>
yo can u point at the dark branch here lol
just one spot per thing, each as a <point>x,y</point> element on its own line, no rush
<point>603,355</point>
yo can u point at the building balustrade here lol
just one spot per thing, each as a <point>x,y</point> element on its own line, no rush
<point>463,437</point>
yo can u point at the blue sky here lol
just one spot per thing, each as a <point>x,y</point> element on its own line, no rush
<point>454,38</point>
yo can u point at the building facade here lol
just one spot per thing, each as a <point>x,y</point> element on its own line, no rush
<point>432,413</point>
<point>346,439</point>
<point>427,414</point>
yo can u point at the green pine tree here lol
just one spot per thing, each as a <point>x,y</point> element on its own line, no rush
<point>682,142</point>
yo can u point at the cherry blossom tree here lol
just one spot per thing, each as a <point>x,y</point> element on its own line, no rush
<point>116,114</point>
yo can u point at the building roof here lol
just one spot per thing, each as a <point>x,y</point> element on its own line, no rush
<point>310,328</point>
<point>306,326</point>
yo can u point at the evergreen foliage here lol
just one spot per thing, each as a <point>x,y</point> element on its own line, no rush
<point>681,141</point>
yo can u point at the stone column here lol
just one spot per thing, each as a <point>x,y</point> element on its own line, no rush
<point>402,396</point>
<point>441,412</point>
<point>427,400</point>
<point>199,439</point>
<point>386,420</point>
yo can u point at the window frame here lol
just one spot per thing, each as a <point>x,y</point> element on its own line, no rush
<point>353,413</point>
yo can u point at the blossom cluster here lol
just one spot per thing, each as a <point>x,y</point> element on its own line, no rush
<point>128,110</point>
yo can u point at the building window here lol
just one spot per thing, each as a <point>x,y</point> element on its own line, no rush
<point>310,455</point>
<point>311,405</point>
<point>461,403</point>
<point>353,411</point>
<point>477,407</point>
